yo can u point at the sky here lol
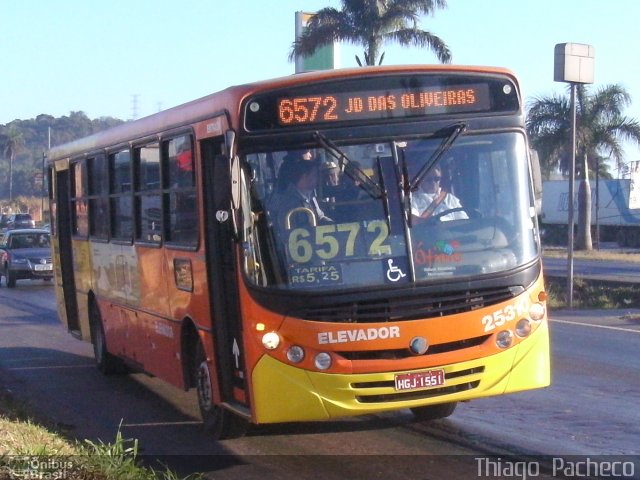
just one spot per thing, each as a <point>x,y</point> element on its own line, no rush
<point>131,58</point>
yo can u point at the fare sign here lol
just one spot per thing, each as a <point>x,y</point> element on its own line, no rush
<point>417,380</point>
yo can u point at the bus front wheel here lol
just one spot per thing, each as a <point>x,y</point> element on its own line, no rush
<point>218,421</point>
<point>434,412</point>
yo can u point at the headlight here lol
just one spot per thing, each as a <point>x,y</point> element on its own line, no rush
<point>504,339</point>
<point>295,354</point>
<point>536,311</point>
<point>19,260</point>
<point>523,327</point>
<point>322,361</point>
<point>271,340</point>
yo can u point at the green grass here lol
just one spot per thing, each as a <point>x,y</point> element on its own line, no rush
<point>32,447</point>
<point>593,294</point>
<point>603,255</point>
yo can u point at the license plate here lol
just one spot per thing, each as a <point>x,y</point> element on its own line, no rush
<point>416,380</point>
<point>40,268</point>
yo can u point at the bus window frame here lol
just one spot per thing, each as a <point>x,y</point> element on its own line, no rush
<point>163,190</point>
<point>138,193</point>
<point>112,151</point>
<point>94,196</point>
<point>76,197</point>
<point>168,190</point>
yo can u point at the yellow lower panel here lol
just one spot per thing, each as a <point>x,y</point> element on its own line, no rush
<point>283,393</point>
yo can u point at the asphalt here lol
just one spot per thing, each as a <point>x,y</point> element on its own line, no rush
<point>623,320</point>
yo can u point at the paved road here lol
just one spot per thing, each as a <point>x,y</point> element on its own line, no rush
<point>591,408</point>
<point>595,269</point>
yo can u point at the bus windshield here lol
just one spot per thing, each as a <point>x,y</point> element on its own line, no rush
<point>356,215</point>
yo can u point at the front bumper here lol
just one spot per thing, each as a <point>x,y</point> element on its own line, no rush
<point>31,271</point>
<point>283,393</point>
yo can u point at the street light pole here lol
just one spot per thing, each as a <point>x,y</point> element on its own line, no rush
<point>571,206</point>
<point>573,63</point>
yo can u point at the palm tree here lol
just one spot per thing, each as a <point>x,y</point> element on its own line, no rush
<point>601,129</point>
<point>11,141</point>
<point>372,23</point>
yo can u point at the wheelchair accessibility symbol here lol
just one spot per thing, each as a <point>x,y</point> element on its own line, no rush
<point>394,273</point>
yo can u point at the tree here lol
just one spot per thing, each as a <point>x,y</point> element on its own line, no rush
<point>24,142</point>
<point>11,142</point>
<point>372,23</point>
<point>601,130</point>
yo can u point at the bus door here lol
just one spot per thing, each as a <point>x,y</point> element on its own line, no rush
<point>222,275</point>
<point>63,232</point>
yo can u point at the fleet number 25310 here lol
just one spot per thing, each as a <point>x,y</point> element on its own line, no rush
<point>504,315</point>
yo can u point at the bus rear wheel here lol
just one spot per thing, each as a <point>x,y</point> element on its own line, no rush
<point>107,363</point>
<point>218,421</point>
<point>434,412</point>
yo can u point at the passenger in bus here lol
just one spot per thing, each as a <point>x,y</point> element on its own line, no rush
<point>432,200</point>
<point>331,174</point>
<point>184,163</point>
<point>339,192</point>
<point>284,172</point>
<point>300,193</point>
<point>185,158</point>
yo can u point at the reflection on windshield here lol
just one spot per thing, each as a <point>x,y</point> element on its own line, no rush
<point>446,143</point>
<point>351,169</point>
<point>314,226</point>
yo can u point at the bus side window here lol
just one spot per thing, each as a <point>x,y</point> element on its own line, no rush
<point>147,193</point>
<point>79,210</point>
<point>180,191</point>
<point>181,166</point>
<point>120,183</point>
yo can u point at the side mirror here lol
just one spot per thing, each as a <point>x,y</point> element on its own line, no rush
<point>236,172</point>
<point>230,143</point>
<point>234,166</point>
<point>536,175</point>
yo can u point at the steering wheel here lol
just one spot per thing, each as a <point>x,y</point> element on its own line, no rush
<point>471,213</point>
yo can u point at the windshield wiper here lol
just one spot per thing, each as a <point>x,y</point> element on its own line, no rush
<point>406,185</point>
<point>352,170</point>
<point>446,143</point>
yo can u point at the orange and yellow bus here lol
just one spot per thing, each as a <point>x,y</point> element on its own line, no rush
<point>174,254</point>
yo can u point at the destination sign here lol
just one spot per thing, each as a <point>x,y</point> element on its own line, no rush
<point>373,98</point>
<point>337,107</point>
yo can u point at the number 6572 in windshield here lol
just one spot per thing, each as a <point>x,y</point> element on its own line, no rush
<point>326,242</point>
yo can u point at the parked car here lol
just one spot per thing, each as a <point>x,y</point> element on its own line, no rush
<point>25,254</point>
<point>20,220</point>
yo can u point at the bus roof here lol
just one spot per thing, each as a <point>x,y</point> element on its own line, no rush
<point>219,103</point>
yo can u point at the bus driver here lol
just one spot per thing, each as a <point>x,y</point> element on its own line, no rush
<point>432,200</point>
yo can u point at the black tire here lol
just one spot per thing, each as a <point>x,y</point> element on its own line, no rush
<point>218,421</point>
<point>107,363</point>
<point>11,279</point>
<point>434,412</point>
